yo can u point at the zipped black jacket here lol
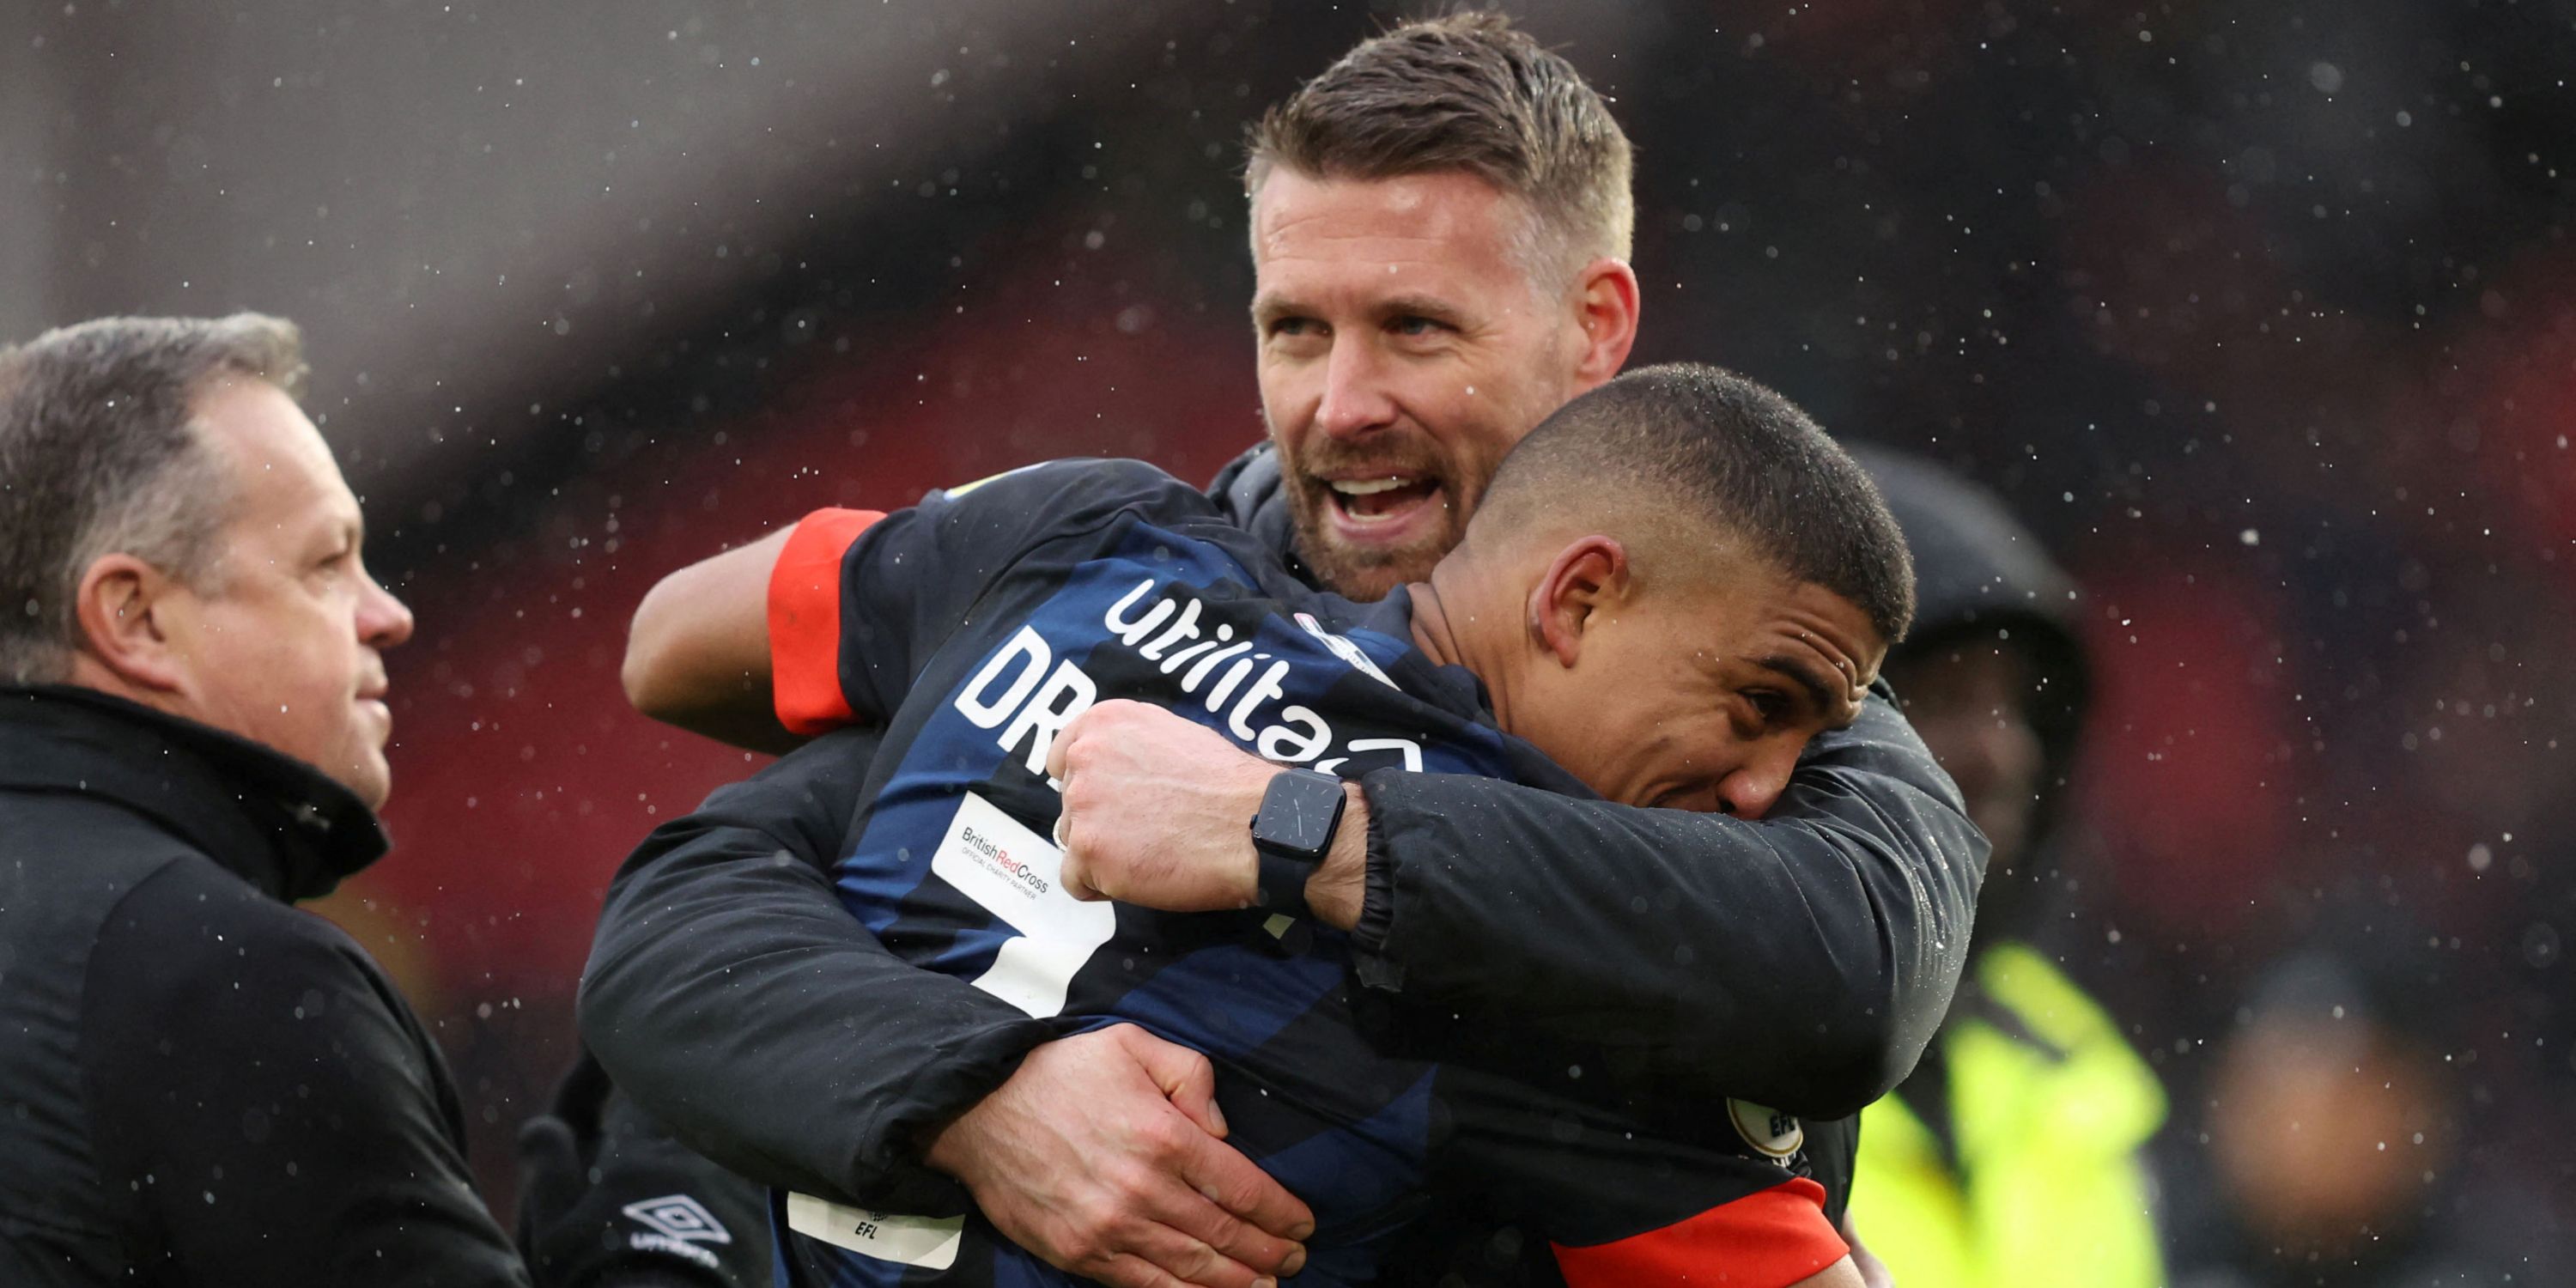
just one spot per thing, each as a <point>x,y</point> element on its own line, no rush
<point>1801,963</point>
<point>198,1083</point>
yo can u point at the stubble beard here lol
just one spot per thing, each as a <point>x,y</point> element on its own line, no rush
<point>1363,573</point>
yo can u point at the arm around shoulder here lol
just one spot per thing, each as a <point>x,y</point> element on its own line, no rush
<point>1802,961</point>
<point>730,993</point>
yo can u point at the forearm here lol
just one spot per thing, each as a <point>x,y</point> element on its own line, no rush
<point>1801,962</point>
<point>1338,892</point>
<point>697,653</point>
<point>734,998</point>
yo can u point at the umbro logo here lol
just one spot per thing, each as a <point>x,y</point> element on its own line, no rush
<point>678,1216</point>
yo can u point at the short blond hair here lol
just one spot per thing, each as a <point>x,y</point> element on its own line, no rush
<point>1466,92</point>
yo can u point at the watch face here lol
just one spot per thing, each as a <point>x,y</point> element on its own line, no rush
<point>1298,813</point>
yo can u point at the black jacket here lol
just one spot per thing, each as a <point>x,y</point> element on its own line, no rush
<point>200,1084</point>
<point>1802,964</point>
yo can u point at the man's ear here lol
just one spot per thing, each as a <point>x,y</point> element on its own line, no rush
<point>124,608</point>
<point>1605,302</point>
<point>1587,576</point>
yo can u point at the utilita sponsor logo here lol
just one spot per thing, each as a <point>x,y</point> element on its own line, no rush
<point>993,856</point>
<point>1029,695</point>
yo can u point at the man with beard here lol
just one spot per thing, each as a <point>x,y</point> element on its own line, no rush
<point>1440,230</point>
<point>1712,583</point>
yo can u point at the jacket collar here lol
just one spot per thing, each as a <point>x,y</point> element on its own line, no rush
<point>270,819</point>
<point>1253,497</point>
<point>1251,494</point>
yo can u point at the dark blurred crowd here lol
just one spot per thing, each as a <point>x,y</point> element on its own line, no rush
<point>2260,315</point>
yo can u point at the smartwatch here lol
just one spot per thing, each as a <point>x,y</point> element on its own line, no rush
<point>1292,834</point>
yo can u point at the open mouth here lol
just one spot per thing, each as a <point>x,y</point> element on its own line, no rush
<point>1386,499</point>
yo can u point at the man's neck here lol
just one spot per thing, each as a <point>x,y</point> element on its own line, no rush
<point>1448,641</point>
<point>1431,631</point>
<point>89,673</point>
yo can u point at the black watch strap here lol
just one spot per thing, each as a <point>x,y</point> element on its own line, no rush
<point>1281,888</point>
<point>1300,811</point>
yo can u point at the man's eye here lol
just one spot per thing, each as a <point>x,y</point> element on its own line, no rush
<point>1772,706</point>
<point>1292,326</point>
<point>1416,325</point>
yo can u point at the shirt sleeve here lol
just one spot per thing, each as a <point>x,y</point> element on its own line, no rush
<point>731,995</point>
<point>1802,961</point>
<point>1770,1238</point>
<point>268,1102</point>
<point>805,620</point>
<point>858,600</point>
<point>1616,1203</point>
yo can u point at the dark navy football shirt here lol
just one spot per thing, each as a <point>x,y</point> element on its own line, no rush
<point>974,627</point>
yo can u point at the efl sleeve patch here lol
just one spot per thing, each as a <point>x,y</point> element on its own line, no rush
<point>805,620</point>
<point>1768,1239</point>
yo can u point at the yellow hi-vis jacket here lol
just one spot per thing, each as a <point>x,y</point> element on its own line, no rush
<point>2048,1108</point>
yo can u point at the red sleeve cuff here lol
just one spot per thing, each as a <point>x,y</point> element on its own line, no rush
<point>1768,1239</point>
<point>805,620</point>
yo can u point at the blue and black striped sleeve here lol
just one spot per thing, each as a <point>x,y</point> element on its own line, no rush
<point>859,600</point>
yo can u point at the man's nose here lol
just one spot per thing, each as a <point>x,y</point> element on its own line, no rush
<point>383,621</point>
<point>1356,398</point>
<point>1757,785</point>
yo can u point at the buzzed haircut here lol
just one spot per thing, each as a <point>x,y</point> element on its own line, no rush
<point>1712,445</point>
<point>99,455</point>
<point>1466,92</point>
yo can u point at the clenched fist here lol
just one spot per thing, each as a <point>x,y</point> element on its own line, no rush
<point>1158,812</point>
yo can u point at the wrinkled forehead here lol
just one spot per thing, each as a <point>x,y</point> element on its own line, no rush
<point>1830,639</point>
<point>1791,633</point>
<point>1449,221</point>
